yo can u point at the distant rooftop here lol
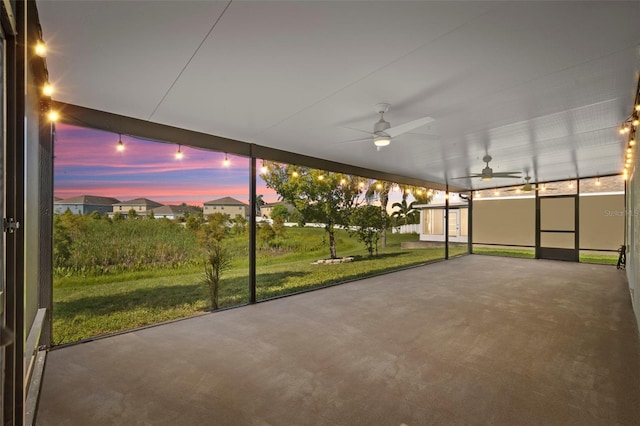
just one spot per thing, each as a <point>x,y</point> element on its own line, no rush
<point>88,200</point>
<point>226,201</point>
<point>139,202</point>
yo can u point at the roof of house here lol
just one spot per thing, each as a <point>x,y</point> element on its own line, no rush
<point>226,201</point>
<point>88,199</point>
<point>139,201</point>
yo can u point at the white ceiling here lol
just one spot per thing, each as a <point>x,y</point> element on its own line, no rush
<point>541,86</point>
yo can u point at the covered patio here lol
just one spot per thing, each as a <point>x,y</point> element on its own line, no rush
<point>474,340</point>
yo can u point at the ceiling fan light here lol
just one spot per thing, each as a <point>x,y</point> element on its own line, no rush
<point>381,141</point>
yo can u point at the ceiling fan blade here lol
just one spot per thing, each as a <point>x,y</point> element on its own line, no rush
<point>468,177</point>
<point>498,174</point>
<point>407,127</point>
<point>355,140</point>
<point>361,131</point>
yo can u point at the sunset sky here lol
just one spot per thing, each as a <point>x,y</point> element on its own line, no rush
<point>88,163</point>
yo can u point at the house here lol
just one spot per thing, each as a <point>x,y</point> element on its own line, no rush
<point>140,205</point>
<point>227,205</point>
<point>266,209</point>
<point>172,212</point>
<point>85,204</point>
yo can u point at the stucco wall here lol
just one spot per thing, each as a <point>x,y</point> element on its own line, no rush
<point>602,222</point>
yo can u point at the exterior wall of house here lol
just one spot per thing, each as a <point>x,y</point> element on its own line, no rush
<point>231,211</point>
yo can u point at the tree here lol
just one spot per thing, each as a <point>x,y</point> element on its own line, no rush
<point>369,225</point>
<point>151,215</point>
<point>118,216</point>
<point>381,189</point>
<point>218,260</point>
<point>266,234</point>
<point>319,196</point>
<point>132,214</point>
<point>259,203</point>
<point>213,231</point>
<point>280,211</point>
<point>239,225</point>
<point>405,211</point>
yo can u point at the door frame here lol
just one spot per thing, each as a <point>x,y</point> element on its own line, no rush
<point>552,253</point>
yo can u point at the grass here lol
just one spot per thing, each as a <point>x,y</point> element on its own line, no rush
<point>601,259</point>
<point>88,306</point>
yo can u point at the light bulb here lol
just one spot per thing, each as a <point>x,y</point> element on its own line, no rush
<point>629,150</point>
<point>226,161</point>
<point>408,191</point>
<point>638,107</point>
<point>629,155</point>
<point>430,192</point>
<point>41,49</point>
<point>496,193</point>
<point>294,174</point>
<point>378,185</point>
<point>598,181</point>
<point>120,146</point>
<point>635,122</point>
<point>179,154</point>
<point>343,181</point>
<point>53,116</point>
<point>361,184</point>
<point>321,177</point>
<point>381,141</point>
<point>517,190</point>
<point>47,89</point>
<point>446,196</point>
<point>632,142</point>
<point>263,169</point>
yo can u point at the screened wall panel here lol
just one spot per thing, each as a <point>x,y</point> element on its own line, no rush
<point>509,221</point>
<point>602,222</point>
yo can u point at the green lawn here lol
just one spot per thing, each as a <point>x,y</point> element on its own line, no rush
<point>601,259</point>
<point>96,305</point>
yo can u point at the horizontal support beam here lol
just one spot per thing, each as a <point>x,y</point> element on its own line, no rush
<point>119,124</point>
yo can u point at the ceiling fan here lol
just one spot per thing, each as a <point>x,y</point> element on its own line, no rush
<point>488,173</point>
<point>383,133</point>
<point>528,186</point>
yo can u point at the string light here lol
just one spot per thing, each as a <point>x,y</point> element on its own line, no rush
<point>120,146</point>
<point>378,185</point>
<point>294,174</point>
<point>361,184</point>
<point>263,169</point>
<point>41,49</point>
<point>226,161</point>
<point>321,177</point>
<point>47,89</point>
<point>53,116</point>
<point>179,153</point>
<point>496,192</point>
<point>632,142</point>
<point>343,181</point>
<point>597,181</point>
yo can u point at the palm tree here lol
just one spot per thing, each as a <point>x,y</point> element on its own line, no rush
<point>405,210</point>
<point>259,203</point>
<point>380,190</point>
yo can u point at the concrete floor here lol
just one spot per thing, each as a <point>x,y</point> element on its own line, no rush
<point>475,340</point>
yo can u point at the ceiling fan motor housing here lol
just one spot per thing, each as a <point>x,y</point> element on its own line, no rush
<point>487,173</point>
<point>381,125</point>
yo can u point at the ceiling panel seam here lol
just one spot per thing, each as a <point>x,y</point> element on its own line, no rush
<point>382,67</point>
<point>189,61</point>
